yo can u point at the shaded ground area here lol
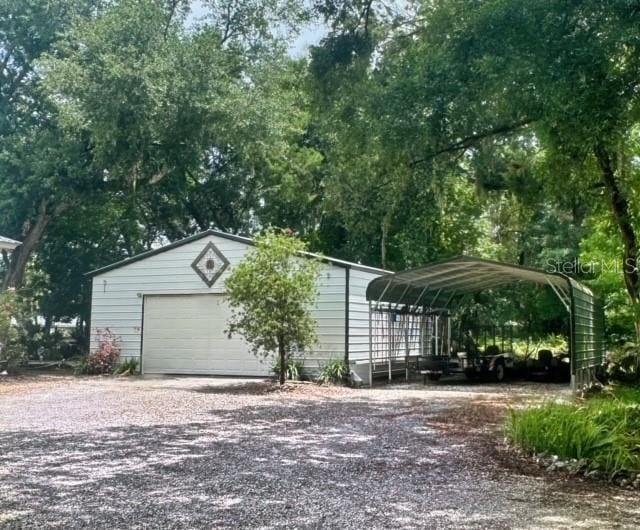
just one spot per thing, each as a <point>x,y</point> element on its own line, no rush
<point>202,452</point>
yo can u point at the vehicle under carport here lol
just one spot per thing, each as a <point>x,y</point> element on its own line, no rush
<point>409,313</point>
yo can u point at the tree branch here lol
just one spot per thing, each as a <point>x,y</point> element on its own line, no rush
<point>173,6</point>
<point>229,31</point>
<point>468,141</point>
<point>366,13</point>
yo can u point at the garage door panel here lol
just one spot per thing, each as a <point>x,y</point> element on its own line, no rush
<point>188,353</point>
<point>222,346</point>
<point>187,324</point>
<point>195,366</point>
<point>190,332</point>
<point>187,334</point>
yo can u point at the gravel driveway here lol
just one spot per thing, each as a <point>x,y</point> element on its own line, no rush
<point>204,452</point>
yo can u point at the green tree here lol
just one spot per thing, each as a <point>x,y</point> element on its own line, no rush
<point>603,274</point>
<point>12,350</point>
<point>72,247</point>
<point>122,99</point>
<point>380,208</point>
<point>562,76</point>
<point>271,293</point>
<point>43,170</point>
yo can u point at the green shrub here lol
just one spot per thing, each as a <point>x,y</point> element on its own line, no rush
<point>604,432</point>
<point>82,367</point>
<point>104,359</point>
<point>623,364</point>
<point>127,367</point>
<point>293,369</point>
<point>334,371</point>
<point>12,350</point>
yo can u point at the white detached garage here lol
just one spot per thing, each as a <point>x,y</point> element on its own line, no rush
<point>169,310</point>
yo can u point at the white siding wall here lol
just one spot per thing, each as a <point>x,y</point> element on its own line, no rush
<point>329,312</point>
<point>117,294</point>
<point>359,314</point>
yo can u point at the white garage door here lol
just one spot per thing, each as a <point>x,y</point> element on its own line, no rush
<point>185,334</point>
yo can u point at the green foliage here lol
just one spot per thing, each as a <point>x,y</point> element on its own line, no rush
<point>485,78</point>
<point>534,316</point>
<point>529,347</point>
<point>43,169</point>
<point>334,371</point>
<point>254,27</point>
<point>601,258</point>
<point>73,247</point>
<point>127,367</point>
<point>31,338</point>
<point>271,293</point>
<point>413,132</point>
<point>12,350</point>
<point>604,432</point>
<point>81,368</point>
<point>626,394</point>
<point>169,159</point>
<point>293,369</point>
<point>623,364</point>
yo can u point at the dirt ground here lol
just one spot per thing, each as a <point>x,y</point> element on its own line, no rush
<point>188,452</point>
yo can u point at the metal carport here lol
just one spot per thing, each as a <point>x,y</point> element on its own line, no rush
<point>446,283</point>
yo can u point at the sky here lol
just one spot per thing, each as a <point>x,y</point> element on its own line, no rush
<point>311,34</point>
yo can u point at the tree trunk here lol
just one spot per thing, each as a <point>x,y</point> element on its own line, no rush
<point>20,256</point>
<point>48,322</point>
<point>282,354</point>
<point>386,225</point>
<point>620,209</point>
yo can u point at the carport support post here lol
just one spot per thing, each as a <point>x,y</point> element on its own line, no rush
<point>448,352</point>
<point>575,383</point>
<point>392,335</point>
<point>370,348</point>
<point>406,347</point>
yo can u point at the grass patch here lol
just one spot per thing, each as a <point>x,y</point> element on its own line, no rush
<point>603,432</point>
<point>626,394</point>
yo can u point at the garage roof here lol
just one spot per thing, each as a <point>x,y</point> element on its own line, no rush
<point>232,237</point>
<point>437,284</point>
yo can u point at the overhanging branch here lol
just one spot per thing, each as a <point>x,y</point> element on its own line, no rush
<point>468,141</point>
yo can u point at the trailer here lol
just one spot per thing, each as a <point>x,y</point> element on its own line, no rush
<point>465,356</point>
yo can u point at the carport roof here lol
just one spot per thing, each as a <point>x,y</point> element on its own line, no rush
<point>442,284</point>
<point>437,284</point>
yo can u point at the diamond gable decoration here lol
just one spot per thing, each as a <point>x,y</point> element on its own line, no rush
<point>210,264</point>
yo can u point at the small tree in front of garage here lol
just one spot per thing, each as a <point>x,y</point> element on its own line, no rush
<point>271,293</point>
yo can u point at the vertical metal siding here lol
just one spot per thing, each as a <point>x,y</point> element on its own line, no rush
<point>347,272</point>
<point>117,304</point>
<point>359,314</point>
<point>587,335</point>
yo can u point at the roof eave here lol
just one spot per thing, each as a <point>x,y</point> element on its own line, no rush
<point>232,237</point>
